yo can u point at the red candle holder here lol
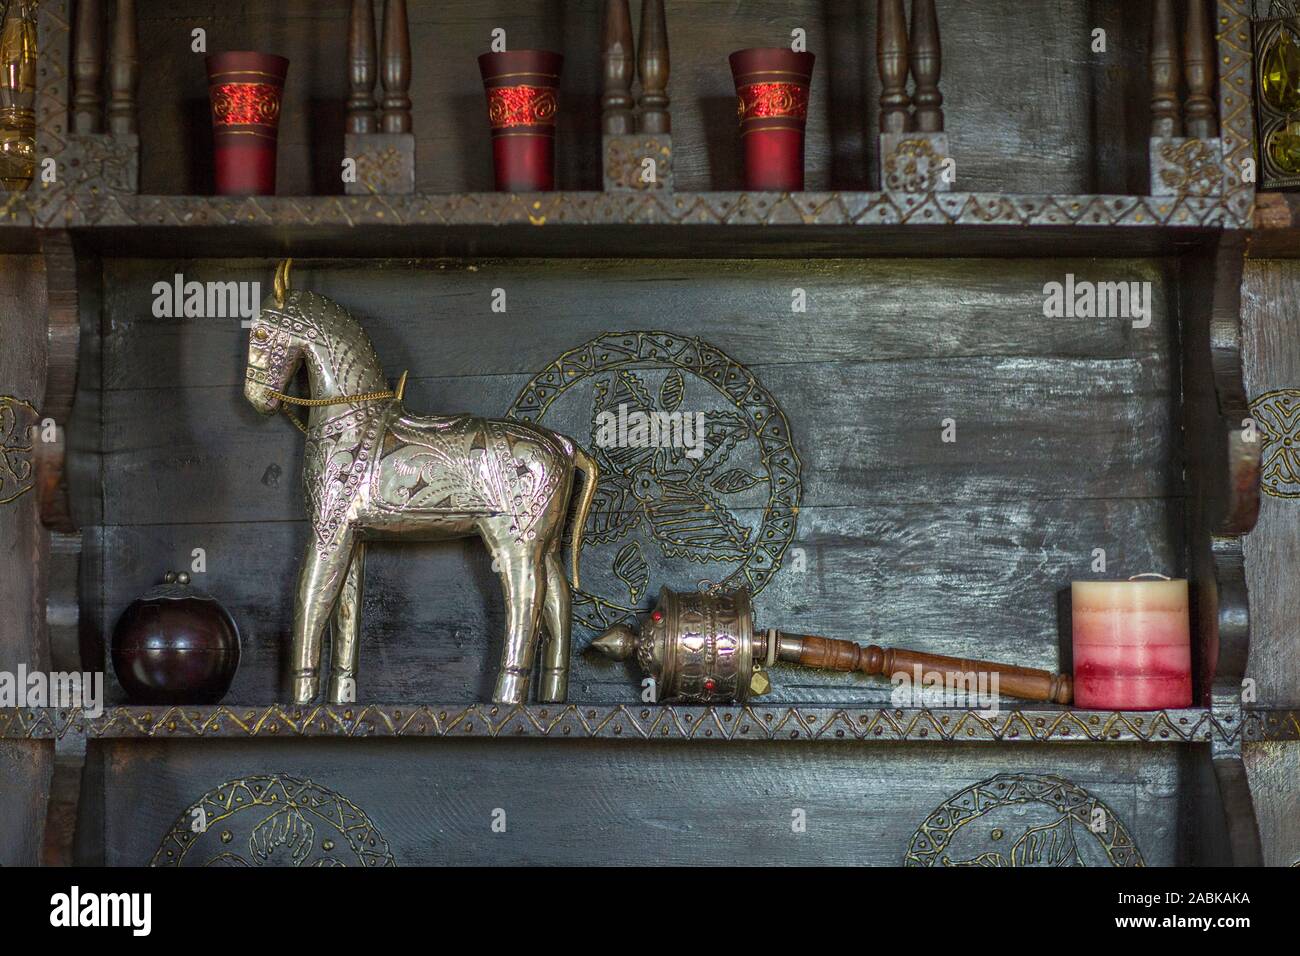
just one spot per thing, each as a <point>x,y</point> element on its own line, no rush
<point>245,90</point>
<point>772,86</point>
<point>522,89</point>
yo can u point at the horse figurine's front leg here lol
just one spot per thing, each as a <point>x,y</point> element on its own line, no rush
<point>319,581</point>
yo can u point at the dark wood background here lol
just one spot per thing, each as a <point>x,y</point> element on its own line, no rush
<point>1270,326</point>
<point>1031,108</point>
<point>25,766</point>
<point>1067,441</point>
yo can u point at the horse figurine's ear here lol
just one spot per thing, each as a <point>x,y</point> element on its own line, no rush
<point>280,287</point>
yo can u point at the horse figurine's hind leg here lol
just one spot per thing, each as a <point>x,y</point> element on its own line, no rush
<point>557,611</point>
<point>523,581</point>
<point>373,471</point>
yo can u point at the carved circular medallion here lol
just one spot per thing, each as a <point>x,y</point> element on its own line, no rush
<point>1023,820</point>
<point>274,820</point>
<point>699,483</point>
<point>1277,414</point>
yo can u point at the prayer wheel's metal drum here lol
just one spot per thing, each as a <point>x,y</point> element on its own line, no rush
<point>699,647</point>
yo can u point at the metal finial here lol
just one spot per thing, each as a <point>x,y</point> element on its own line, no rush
<point>619,642</point>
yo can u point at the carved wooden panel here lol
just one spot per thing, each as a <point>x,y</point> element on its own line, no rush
<point>651,802</point>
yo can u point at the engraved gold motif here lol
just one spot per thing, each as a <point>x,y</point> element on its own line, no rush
<point>722,520</point>
<point>913,167</point>
<point>16,472</point>
<point>1277,415</point>
<point>380,170</point>
<point>1054,823</point>
<point>273,820</point>
<point>1194,168</point>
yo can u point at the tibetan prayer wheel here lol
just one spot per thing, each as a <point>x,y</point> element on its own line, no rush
<point>703,648</point>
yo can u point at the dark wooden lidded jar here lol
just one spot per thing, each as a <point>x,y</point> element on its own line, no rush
<point>175,645</point>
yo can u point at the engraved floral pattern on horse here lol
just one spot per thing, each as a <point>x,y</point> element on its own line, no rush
<point>466,465</point>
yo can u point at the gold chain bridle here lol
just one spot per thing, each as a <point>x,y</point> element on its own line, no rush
<point>287,400</point>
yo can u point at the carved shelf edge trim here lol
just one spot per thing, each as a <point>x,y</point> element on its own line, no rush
<point>635,722</point>
<point>696,208</point>
<point>838,208</point>
<point>1236,104</point>
<point>1268,724</point>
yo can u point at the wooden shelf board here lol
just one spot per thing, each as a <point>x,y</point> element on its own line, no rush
<point>1040,724</point>
<point>715,224</point>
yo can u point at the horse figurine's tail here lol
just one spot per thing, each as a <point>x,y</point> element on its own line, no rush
<point>591,472</point>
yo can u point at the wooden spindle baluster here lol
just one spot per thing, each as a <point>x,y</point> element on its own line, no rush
<point>927,63</point>
<point>1166,117</point>
<point>618,61</point>
<point>1198,61</point>
<point>891,59</point>
<point>88,67</point>
<point>396,46</point>
<point>652,60</point>
<point>361,67</point>
<point>123,71</point>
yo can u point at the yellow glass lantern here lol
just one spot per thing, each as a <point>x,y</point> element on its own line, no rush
<point>18,94</point>
<point>1277,94</point>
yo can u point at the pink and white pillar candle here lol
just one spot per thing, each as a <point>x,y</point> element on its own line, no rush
<point>1132,645</point>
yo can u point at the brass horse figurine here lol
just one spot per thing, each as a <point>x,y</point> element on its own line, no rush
<point>373,471</point>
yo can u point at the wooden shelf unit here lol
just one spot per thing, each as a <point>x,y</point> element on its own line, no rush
<point>95,238</point>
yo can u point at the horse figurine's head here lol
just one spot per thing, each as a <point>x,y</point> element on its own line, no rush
<point>295,328</point>
<point>275,344</point>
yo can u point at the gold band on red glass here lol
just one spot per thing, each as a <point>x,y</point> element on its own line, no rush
<point>245,107</point>
<point>768,99</point>
<point>525,106</point>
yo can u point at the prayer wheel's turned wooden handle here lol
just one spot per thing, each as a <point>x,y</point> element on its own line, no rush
<point>829,654</point>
